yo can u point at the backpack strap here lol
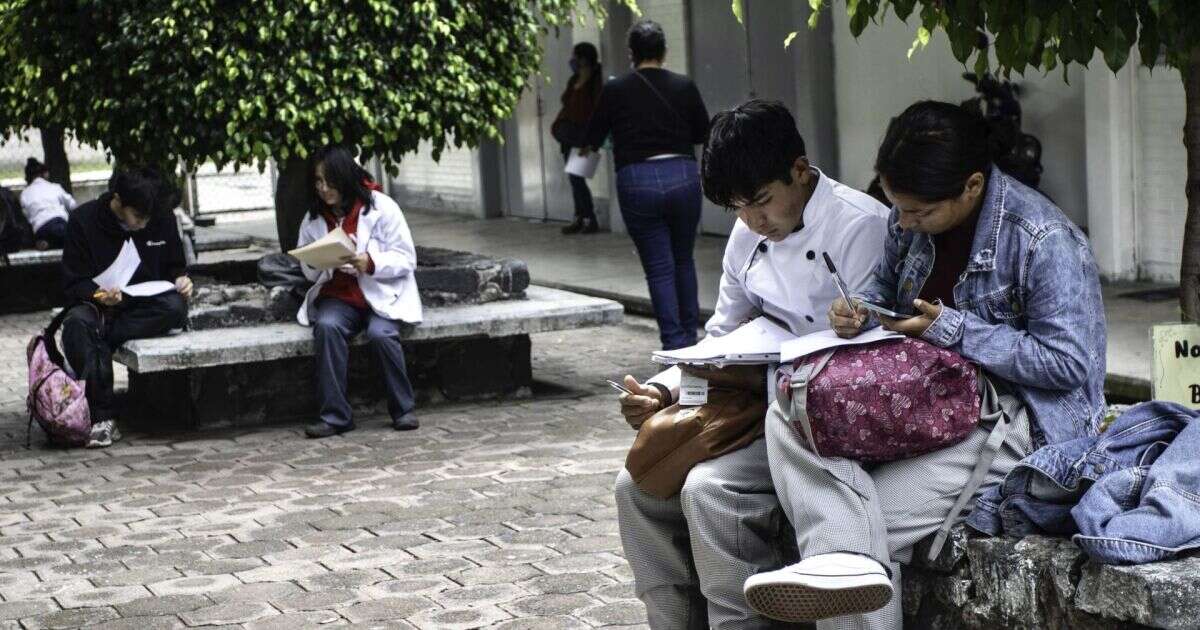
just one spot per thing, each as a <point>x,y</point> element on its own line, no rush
<point>990,410</point>
<point>48,336</point>
<point>799,396</point>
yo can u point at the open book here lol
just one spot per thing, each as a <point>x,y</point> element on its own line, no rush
<point>754,342</point>
<point>121,271</point>
<point>326,252</point>
<point>763,341</point>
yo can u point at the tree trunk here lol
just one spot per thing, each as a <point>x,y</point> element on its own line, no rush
<point>293,198</point>
<point>56,156</point>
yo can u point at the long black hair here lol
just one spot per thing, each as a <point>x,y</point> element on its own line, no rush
<point>344,175</point>
<point>34,169</point>
<point>587,52</point>
<point>931,149</point>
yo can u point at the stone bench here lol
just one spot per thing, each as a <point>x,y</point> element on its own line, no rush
<point>253,374</point>
<point>1044,582</point>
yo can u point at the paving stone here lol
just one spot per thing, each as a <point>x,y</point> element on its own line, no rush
<point>27,608</point>
<point>350,578</point>
<point>550,604</point>
<point>542,623</point>
<point>480,595</point>
<point>495,574</point>
<point>386,608</point>
<point>617,613</point>
<point>431,566</point>
<point>106,596</point>
<point>427,586</point>
<point>217,567</point>
<point>255,592</point>
<point>566,583</point>
<point>164,605</point>
<point>165,622</point>
<point>579,562</point>
<point>292,621</point>
<point>233,612</point>
<point>74,618</point>
<point>200,585</point>
<point>456,619</point>
<point>249,549</point>
<point>135,577</point>
<point>315,600</point>
<point>282,572</point>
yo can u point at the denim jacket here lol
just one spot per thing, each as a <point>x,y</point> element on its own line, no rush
<point>1130,495</point>
<point>1028,303</point>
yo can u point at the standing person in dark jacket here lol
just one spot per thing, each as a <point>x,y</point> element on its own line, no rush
<point>578,102</point>
<point>139,207</point>
<point>656,118</point>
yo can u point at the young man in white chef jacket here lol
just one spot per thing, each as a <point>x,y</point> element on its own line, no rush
<point>692,553</point>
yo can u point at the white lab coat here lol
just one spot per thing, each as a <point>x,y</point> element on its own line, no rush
<point>789,280</point>
<point>383,233</point>
<point>43,201</point>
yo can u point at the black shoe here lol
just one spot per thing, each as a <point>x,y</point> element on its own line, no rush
<point>590,226</point>
<point>324,430</point>
<point>407,422</point>
<point>575,227</point>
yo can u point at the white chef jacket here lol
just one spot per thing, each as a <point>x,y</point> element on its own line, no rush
<point>788,280</point>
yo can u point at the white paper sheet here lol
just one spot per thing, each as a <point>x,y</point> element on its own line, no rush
<point>146,289</point>
<point>326,252</point>
<point>582,165</point>
<point>827,340</point>
<point>757,341</point>
<point>121,271</point>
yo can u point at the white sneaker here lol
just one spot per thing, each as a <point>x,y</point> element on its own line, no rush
<point>820,587</point>
<point>104,433</point>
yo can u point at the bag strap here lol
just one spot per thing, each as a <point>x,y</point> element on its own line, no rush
<point>799,396</point>
<point>989,401</point>
<point>662,98</point>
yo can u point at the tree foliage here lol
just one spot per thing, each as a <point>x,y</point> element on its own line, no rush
<point>238,82</point>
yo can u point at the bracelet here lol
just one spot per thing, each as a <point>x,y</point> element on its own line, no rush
<point>662,389</point>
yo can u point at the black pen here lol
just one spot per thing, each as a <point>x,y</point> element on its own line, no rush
<point>837,279</point>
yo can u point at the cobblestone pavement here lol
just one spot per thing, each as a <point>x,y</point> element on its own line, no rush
<point>492,515</point>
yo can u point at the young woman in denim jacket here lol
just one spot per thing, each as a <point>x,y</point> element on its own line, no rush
<point>986,267</point>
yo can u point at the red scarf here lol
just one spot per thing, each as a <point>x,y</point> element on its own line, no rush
<point>344,286</point>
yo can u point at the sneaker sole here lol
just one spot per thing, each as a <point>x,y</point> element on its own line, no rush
<point>804,603</point>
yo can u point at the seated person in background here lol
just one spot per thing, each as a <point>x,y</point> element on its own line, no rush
<point>139,206</point>
<point>46,205</point>
<point>990,269</point>
<point>726,521</point>
<point>374,291</point>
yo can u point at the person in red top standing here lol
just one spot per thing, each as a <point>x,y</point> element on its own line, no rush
<point>578,102</point>
<point>374,291</point>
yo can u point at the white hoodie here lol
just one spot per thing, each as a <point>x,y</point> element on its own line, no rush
<point>383,233</point>
<point>42,201</point>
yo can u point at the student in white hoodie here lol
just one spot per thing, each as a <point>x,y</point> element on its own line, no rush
<point>374,290</point>
<point>46,205</point>
<point>692,553</point>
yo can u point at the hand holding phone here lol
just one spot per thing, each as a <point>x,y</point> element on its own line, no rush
<point>881,310</point>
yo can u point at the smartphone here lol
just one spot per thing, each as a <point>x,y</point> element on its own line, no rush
<point>617,386</point>
<point>882,310</point>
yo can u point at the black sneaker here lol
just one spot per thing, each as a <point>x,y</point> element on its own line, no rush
<point>590,226</point>
<point>407,422</point>
<point>324,430</point>
<point>575,227</point>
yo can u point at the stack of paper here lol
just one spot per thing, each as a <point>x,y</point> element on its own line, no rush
<point>582,165</point>
<point>755,342</point>
<point>121,271</point>
<point>327,252</point>
<point>797,347</point>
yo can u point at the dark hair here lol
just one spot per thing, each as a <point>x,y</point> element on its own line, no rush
<point>344,175</point>
<point>34,169</point>
<point>749,147</point>
<point>931,149</point>
<point>588,52</point>
<point>145,190</point>
<point>647,41</point>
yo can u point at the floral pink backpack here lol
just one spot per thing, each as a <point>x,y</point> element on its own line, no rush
<point>883,401</point>
<point>56,399</point>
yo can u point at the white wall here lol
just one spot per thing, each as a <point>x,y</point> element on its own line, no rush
<point>1160,172</point>
<point>451,185</point>
<point>874,81</point>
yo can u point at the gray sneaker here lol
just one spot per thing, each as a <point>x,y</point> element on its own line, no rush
<point>102,434</point>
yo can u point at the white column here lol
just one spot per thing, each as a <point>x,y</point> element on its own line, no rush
<point>1109,121</point>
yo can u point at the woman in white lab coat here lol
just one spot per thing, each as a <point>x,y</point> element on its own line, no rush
<point>373,291</point>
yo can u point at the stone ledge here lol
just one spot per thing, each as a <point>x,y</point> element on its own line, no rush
<point>1044,582</point>
<point>544,310</point>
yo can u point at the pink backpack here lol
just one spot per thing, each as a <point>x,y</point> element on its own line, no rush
<point>56,399</point>
<point>884,401</point>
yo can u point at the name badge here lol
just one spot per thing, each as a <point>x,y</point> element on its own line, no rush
<point>693,391</point>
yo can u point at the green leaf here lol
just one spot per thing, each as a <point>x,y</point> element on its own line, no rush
<point>737,11</point>
<point>787,41</point>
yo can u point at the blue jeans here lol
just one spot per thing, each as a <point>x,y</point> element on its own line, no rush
<point>660,202</point>
<point>54,232</point>
<point>336,323</point>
